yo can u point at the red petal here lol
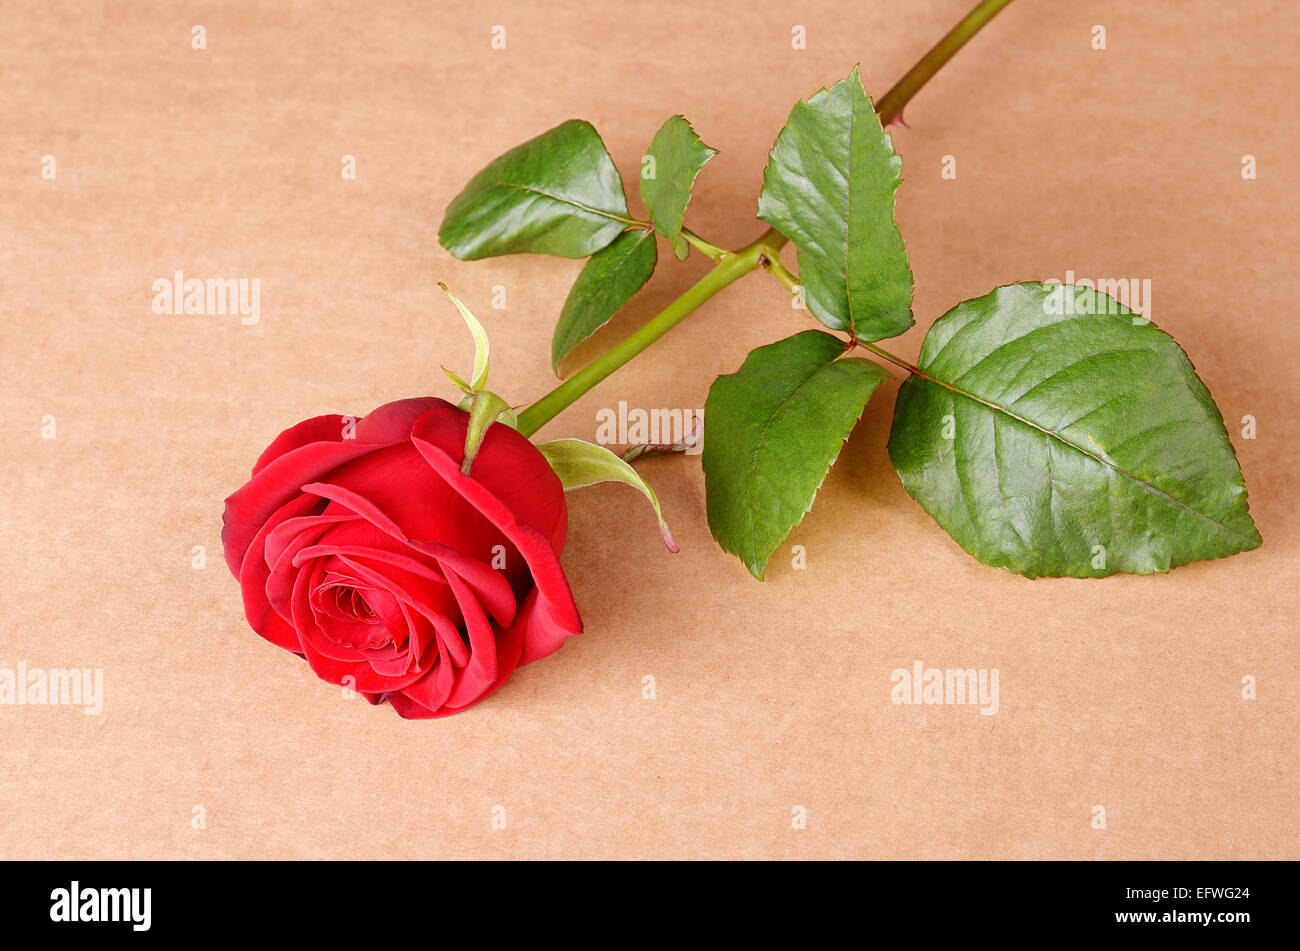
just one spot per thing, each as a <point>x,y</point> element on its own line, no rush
<point>253,575</point>
<point>508,466</point>
<point>557,614</point>
<point>328,428</point>
<point>279,481</point>
<point>392,422</point>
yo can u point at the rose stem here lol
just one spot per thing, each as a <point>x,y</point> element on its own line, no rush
<point>733,265</point>
<point>890,106</point>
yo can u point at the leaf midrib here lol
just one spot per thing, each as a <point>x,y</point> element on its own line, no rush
<point>563,200</point>
<point>849,216</point>
<point>1052,434</point>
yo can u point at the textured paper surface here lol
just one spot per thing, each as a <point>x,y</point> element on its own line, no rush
<point>226,162</point>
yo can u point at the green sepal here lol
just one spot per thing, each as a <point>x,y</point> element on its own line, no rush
<point>580,464</point>
<point>481,349</point>
<point>485,408</point>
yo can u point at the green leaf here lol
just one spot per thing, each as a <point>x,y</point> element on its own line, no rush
<point>580,464</point>
<point>606,283</point>
<point>481,349</point>
<point>829,187</point>
<point>678,157</point>
<point>1051,434</point>
<point>556,194</point>
<point>773,429</point>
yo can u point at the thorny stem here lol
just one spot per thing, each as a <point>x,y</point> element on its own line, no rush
<point>777,270</point>
<point>890,106</point>
<point>730,266</point>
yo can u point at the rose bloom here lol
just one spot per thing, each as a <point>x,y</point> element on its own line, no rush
<point>372,556</point>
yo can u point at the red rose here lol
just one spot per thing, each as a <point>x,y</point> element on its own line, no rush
<point>371,555</point>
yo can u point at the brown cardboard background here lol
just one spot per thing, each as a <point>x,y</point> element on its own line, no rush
<point>225,162</point>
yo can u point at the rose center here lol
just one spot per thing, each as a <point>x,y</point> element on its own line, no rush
<point>354,604</point>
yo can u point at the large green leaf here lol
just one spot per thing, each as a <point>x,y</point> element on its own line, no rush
<point>606,283</point>
<point>678,156</point>
<point>829,186</point>
<point>772,430</point>
<point>1051,434</point>
<point>556,194</point>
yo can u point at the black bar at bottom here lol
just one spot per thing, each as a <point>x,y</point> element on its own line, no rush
<point>374,901</point>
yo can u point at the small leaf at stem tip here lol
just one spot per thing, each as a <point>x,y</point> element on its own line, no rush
<point>481,349</point>
<point>678,155</point>
<point>580,464</point>
<point>485,408</point>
